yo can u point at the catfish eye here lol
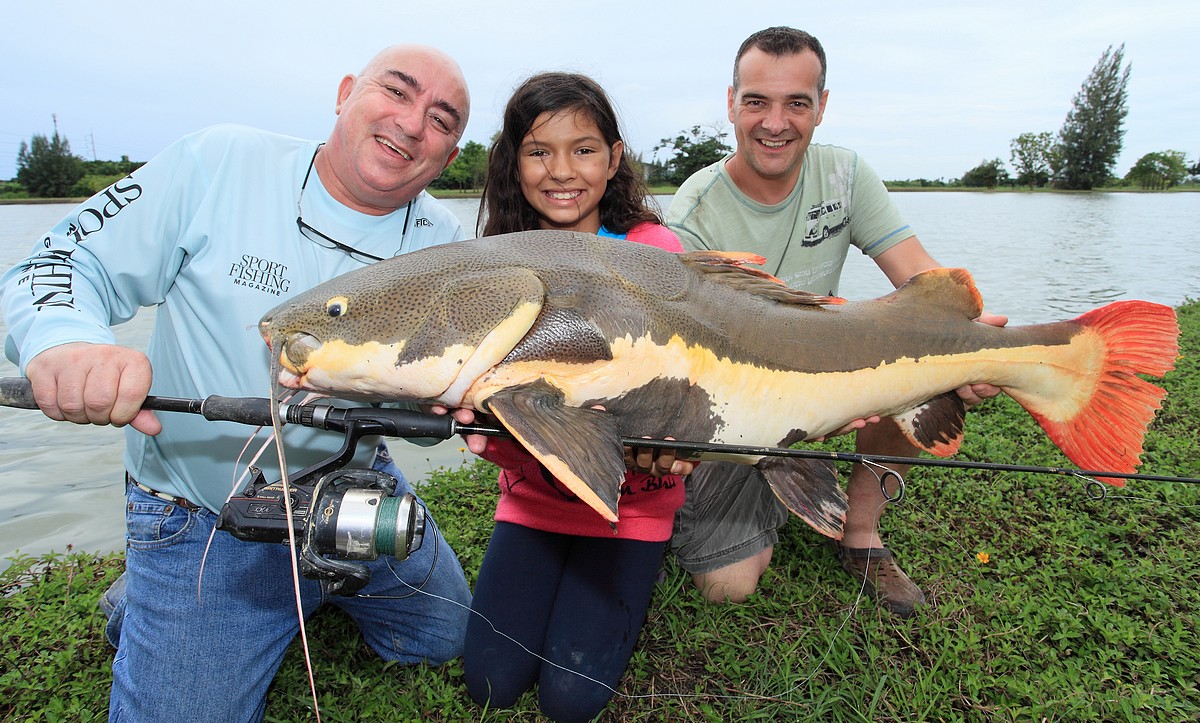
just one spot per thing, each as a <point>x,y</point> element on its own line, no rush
<point>337,306</point>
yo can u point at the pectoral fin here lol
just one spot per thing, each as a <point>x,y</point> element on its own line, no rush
<point>580,447</point>
<point>809,488</point>
<point>937,425</point>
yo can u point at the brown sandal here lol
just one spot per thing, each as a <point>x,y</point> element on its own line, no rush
<point>884,579</point>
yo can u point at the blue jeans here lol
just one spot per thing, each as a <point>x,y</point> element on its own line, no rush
<point>205,647</point>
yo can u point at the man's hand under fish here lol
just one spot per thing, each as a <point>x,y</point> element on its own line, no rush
<point>973,394</point>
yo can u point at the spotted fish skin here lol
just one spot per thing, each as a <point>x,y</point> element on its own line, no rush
<point>539,327</point>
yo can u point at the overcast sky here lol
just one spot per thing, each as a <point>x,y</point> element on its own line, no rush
<point>920,89</point>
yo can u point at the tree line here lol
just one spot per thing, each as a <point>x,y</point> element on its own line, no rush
<point>1080,156</point>
<point>1083,154</point>
<point>46,168</point>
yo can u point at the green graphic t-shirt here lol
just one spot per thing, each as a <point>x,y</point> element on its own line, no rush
<point>837,203</point>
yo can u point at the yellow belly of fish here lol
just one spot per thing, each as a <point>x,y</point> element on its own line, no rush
<point>759,405</point>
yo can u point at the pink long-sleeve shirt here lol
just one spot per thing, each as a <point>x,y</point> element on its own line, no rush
<point>531,496</point>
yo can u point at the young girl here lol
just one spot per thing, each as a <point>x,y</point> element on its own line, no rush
<point>557,578</point>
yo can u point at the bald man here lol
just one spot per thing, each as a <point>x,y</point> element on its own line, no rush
<point>220,227</point>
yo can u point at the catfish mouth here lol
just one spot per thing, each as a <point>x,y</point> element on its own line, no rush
<point>294,354</point>
<point>295,350</point>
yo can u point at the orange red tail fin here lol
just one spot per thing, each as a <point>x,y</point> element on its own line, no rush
<point>1138,337</point>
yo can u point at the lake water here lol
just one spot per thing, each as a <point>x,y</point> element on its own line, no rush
<point>1035,257</point>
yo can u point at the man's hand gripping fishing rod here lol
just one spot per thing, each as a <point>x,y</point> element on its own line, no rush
<point>340,515</point>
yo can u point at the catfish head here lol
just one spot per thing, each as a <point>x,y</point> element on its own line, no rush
<point>403,329</point>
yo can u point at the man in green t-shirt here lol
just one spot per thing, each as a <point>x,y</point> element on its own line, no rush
<point>801,206</point>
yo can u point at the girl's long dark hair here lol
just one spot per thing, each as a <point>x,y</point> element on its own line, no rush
<point>504,208</point>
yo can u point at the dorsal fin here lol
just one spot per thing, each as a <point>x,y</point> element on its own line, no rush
<point>943,287</point>
<point>725,258</point>
<point>729,268</point>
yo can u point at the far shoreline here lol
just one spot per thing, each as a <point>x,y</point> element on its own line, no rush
<point>669,190</point>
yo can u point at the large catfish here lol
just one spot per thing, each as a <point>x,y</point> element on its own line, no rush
<point>538,328</point>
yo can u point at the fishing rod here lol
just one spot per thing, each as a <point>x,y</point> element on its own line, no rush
<point>16,392</point>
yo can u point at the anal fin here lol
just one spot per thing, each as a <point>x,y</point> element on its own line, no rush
<point>935,426</point>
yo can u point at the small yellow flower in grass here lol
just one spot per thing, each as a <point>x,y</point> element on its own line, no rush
<point>462,449</point>
<point>983,557</point>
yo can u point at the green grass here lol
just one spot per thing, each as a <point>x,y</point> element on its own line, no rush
<point>1086,609</point>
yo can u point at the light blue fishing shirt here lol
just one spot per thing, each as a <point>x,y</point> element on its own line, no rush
<point>206,233</point>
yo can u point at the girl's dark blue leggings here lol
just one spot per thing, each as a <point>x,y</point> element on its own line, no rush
<point>578,602</point>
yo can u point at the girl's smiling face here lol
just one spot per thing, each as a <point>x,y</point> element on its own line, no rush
<point>565,166</point>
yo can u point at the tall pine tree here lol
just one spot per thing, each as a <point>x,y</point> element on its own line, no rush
<point>1090,139</point>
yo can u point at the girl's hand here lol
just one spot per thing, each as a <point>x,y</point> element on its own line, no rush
<point>657,462</point>
<point>475,442</point>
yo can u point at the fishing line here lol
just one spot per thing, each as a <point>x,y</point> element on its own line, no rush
<point>431,526</point>
<point>628,696</point>
<point>1100,492</point>
<point>884,475</point>
<point>15,393</point>
<point>277,426</point>
<point>481,616</point>
<point>707,696</point>
<point>237,482</point>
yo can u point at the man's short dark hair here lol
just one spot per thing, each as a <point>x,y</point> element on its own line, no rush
<point>779,41</point>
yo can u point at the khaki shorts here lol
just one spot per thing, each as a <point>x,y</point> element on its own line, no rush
<point>729,514</point>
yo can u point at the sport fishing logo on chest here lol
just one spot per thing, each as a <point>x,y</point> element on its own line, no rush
<point>260,274</point>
